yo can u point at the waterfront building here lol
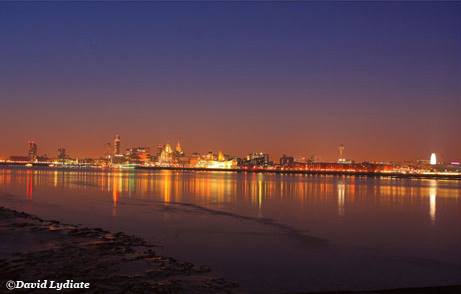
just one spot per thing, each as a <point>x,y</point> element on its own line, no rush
<point>62,154</point>
<point>137,155</point>
<point>117,145</point>
<point>257,159</point>
<point>341,158</point>
<point>33,151</point>
<point>287,160</point>
<point>214,162</point>
<point>179,152</point>
<point>19,158</point>
<point>433,160</point>
<point>159,150</point>
<point>108,151</point>
<point>166,156</point>
<point>221,156</point>
<point>210,156</point>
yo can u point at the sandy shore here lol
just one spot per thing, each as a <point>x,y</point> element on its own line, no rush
<point>33,249</point>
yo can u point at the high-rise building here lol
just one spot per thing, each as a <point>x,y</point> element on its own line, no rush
<point>137,155</point>
<point>259,159</point>
<point>341,158</point>
<point>287,160</point>
<point>158,150</point>
<point>221,156</point>
<point>433,160</point>
<point>62,154</point>
<point>117,145</point>
<point>166,156</point>
<point>108,150</point>
<point>33,151</point>
<point>178,150</point>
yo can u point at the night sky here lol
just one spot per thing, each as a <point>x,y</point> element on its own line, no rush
<point>384,79</point>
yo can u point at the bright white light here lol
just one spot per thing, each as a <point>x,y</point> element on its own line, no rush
<point>433,159</point>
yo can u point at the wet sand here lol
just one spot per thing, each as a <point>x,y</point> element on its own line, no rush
<point>34,249</point>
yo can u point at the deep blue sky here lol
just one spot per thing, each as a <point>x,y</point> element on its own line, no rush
<point>301,78</point>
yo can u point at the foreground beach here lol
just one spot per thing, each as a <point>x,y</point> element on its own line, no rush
<point>34,249</point>
<point>37,253</point>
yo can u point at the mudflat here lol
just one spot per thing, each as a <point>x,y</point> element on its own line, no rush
<point>33,249</point>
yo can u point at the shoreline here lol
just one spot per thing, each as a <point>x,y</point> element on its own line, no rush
<point>371,174</point>
<point>44,252</point>
<point>34,249</point>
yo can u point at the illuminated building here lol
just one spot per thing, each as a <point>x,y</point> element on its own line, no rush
<point>210,156</point>
<point>33,151</point>
<point>210,161</point>
<point>341,158</point>
<point>178,150</point>
<point>62,154</point>
<point>257,159</point>
<point>138,155</point>
<point>216,164</point>
<point>19,158</point>
<point>117,145</point>
<point>166,156</point>
<point>221,156</point>
<point>159,150</point>
<point>286,160</point>
<point>433,160</point>
<point>108,151</point>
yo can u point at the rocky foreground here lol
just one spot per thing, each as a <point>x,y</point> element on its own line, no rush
<point>33,249</point>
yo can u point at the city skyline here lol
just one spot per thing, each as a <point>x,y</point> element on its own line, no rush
<point>278,77</point>
<point>116,148</point>
<point>230,146</point>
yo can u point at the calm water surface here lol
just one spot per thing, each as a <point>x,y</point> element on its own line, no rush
<point>271,233</point>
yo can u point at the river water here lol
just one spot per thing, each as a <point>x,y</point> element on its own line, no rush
<point>271,233</point>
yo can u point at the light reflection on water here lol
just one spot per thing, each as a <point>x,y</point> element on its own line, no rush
<point>395,218</point>
<point>215,188</point>
<point>254,190</point>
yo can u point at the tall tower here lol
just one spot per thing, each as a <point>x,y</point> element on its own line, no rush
<point>341,153</point>
<point>178,149</point>
<point>33,151</point>
<point>62,154</point>
<point>433,160</point>
<point>117,148</point>
<point>221,156</point>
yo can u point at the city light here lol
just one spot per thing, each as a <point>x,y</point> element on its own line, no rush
<point>163,156</point>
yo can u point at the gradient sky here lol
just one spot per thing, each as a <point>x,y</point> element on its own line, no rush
<point>384,79</point>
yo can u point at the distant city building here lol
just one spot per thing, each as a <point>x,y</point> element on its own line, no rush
<point>138,155</point>
<point>433,160</point>
<point>179,152</point>
<point>314,158</point>
<point>19,158</point>
<point>62,154</point>
<point>33,151</point>
<point>258,159</point>
<point>221,156</point>
<point>287,160</point>
<point>341,158</point>
<point>117,145</point>
<point>210,160</point>
<point>108,150</point>
<point>210,156</point>
<point>166,156</point>
<point>158,151</point>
